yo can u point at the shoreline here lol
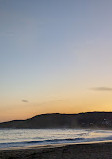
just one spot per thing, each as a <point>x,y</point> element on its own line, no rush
<point>100,150</point>
<point>53,145</point>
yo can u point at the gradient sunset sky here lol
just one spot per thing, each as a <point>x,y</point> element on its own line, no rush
<point>55,56</point>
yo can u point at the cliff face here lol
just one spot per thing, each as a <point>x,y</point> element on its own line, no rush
<point>82,120</point>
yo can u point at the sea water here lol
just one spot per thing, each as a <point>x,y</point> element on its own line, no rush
<point>31,137</point>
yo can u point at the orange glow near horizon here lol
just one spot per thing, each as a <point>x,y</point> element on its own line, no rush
<point>69,106</point>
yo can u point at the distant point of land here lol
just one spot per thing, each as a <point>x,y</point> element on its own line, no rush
<point>56,120</point>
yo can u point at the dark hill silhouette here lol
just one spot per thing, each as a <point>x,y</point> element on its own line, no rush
<point>56,120</point>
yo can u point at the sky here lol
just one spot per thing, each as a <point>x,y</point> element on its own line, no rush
<point>55,57</point>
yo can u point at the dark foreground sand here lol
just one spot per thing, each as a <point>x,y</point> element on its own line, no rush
<point>74,151</point>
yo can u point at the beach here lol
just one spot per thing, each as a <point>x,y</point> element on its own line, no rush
<point>101,150</point>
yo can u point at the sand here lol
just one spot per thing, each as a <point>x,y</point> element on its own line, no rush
<point>73,151</point>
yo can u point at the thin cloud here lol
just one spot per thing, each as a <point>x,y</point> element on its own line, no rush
<point>102,89</point>
<point>24,100</point>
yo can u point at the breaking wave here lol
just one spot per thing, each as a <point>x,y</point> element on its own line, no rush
<point>22,137</point>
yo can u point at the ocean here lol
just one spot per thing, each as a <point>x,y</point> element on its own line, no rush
<point>30,137</point>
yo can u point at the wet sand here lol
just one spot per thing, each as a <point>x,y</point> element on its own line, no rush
<point>73,151</point>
